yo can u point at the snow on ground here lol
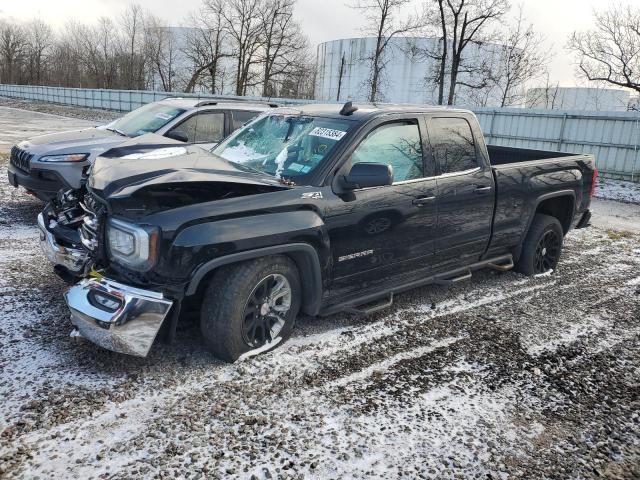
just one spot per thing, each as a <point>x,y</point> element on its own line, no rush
<point>502,376</point>
<point>618,190</point>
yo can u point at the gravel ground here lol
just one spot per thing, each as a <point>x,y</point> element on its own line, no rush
<point>618,190</point>
<point>502,376</point>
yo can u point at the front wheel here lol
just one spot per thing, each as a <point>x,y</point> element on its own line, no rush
<point>542,246</point>
<point>251,307</point>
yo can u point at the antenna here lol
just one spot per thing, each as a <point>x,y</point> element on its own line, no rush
<point>347,109</point>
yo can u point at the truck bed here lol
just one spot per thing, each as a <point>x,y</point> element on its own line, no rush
<point>525,177</point>
<point>499,155</point>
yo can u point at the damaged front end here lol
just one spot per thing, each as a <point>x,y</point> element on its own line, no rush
<point>69,232</point>
<point>99,240</point>
<point>115,316</point>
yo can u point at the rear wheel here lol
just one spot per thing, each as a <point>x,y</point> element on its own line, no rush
<point>251,307</point>
<point>542,247</point>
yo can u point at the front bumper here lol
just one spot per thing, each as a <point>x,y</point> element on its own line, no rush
<point>34,181</point>
<point>131,328</point>
<point>74,260</point>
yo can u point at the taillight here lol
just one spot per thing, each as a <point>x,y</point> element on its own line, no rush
<point>594,178</point>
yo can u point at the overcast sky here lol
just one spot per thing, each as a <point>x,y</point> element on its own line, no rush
<point>325,19</point>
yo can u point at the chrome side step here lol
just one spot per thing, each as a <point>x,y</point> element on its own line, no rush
<point>502,268</point>
<point>448,278</point>
<point>372,309</point>
<point>449,281</point>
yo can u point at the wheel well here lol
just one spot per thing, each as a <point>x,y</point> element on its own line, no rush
<point>560,208</point>
<point>308,267</point>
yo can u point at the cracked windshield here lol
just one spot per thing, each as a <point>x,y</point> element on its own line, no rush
<point>284,146</point>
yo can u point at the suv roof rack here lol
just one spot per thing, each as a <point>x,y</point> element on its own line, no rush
<point>234,100</point>
<point>206,102</point>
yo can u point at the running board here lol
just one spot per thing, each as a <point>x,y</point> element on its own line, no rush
<point>447,278</point>
<point>372,309</point>
<point>502,268</point>
<point>449,281</point>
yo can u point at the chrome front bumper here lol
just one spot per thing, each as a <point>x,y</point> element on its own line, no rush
<point>131,328</point>
<point>74,260</point>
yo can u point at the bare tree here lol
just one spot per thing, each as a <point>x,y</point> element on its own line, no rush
<point>299,82</point>
<point>39,41</point>
<point>132,24</point>
<point>242,21</point>
<point>385,20</point>
<point>544,97</point>
<point>282,42</point>
<point>161,51</point>
<point>463,23</point>
<point>257,42</point>
<point>522,58</point>
<point>611,51</point>
<point>65,63</point>
<point>12,49</point>
<point>205,45</point>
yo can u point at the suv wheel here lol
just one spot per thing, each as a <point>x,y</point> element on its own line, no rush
<point>251,307</point>
<point>542,246</point>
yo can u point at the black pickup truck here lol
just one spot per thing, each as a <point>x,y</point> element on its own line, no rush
<point>315,209</point>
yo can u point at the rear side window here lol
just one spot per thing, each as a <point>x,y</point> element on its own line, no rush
<point>452,144</point>
<point>240,117</point>
<point>397,144</point>
<point>203,128</point>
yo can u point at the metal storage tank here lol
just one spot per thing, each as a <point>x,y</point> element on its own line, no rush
<point>579,98</point>
<point>344,68</point>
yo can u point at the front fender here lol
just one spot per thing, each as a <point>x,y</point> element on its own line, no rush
<point>199,249</point>
<point>304,255</point>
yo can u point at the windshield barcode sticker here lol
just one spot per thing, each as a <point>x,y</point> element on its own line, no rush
<point>327,133</point>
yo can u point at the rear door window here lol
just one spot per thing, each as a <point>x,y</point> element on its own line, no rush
<point>453,145</point>
<point>206,127</point>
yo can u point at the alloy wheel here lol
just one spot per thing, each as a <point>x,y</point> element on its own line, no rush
<point>547,252</point>
<point>266,310</point>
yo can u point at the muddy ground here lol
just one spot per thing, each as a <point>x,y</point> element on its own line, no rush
<point>501,376</point>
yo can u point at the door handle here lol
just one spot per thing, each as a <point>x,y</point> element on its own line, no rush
<point>422,201</point>
<point>482,190</point>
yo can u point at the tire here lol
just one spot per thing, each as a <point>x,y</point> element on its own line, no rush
<point>236,319</point>
<point>542,246</point>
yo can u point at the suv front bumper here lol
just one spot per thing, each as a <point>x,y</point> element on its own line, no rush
<point>43,188</point>
<point>129,326</point>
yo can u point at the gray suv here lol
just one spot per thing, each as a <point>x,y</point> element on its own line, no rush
<point>47,163</point>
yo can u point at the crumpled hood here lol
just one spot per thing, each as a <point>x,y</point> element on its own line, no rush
<point>153,160</point>
<point>89,140</point>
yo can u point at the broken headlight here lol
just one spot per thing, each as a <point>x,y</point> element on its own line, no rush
<point>131,245</point>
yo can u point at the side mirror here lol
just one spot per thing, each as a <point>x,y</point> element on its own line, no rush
<point>363,175</point>
<point>177,135</point>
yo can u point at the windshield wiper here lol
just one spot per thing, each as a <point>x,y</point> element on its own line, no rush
<point>119,132</point>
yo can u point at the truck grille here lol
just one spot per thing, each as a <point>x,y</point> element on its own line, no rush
<point>20,159</point>
<point>90,226</point>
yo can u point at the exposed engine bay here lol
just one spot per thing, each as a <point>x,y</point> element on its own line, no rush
<point>74,218</point>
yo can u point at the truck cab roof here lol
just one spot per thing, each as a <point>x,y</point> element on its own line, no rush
<point>365,111</point>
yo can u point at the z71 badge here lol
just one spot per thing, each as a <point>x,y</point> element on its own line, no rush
<point>313,195</point>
